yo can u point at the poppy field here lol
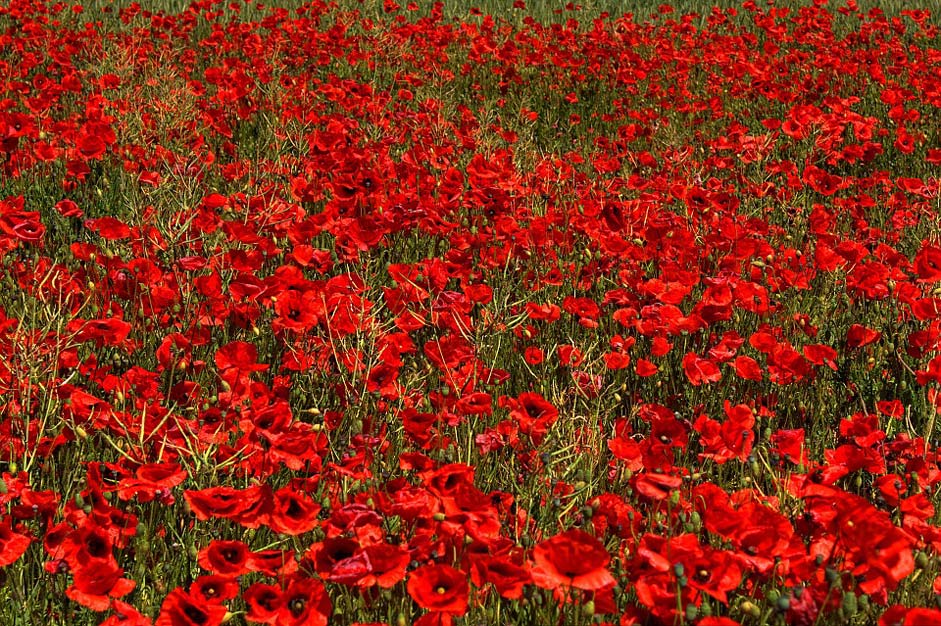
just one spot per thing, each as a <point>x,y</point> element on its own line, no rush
<point>364,313</point>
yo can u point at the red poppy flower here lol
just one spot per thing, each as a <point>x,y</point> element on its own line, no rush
<point>292,512</point>
<point>249,507</point>
<point>109,228</point>
<point>152,480</point>
<point>12,544</point>
<point>264,602</point>
<point>387,565</point>
<point>325,556</point>
<point>104,332</point>
<point>533,413</point>
<point>699,370</point>
<point>304,603</point>
<point>89,544</point>
<point>899,615</point>
<point>214,588</point>
<point>507,577</point>
<point>226,558</point>
<point>439,588</point>
<point>571,559</point>
<point>95,584</point>
<point>123,614</point>
<point>239,355</point>
<point>24,226</point>
<point>747,368</point>
<point>858,336</point>
<point>179,608</point>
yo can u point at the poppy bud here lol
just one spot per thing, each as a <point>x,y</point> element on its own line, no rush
<point>589,608</point>
<point>3,486</point>
<point>692,612</point>
<point>82,434</point>
<point>864,602</point>
<point>921,559</point>
<point>439,517</point>
<point>750,608</point>
<point>14,468</point>
<point>848,605</point>
<point>401,620</point>
<point>783,603</point>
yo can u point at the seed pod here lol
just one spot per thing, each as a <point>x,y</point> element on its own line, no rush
<point>849,604</point>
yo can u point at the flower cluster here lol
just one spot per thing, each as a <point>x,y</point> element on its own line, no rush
<point>361,314</point>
